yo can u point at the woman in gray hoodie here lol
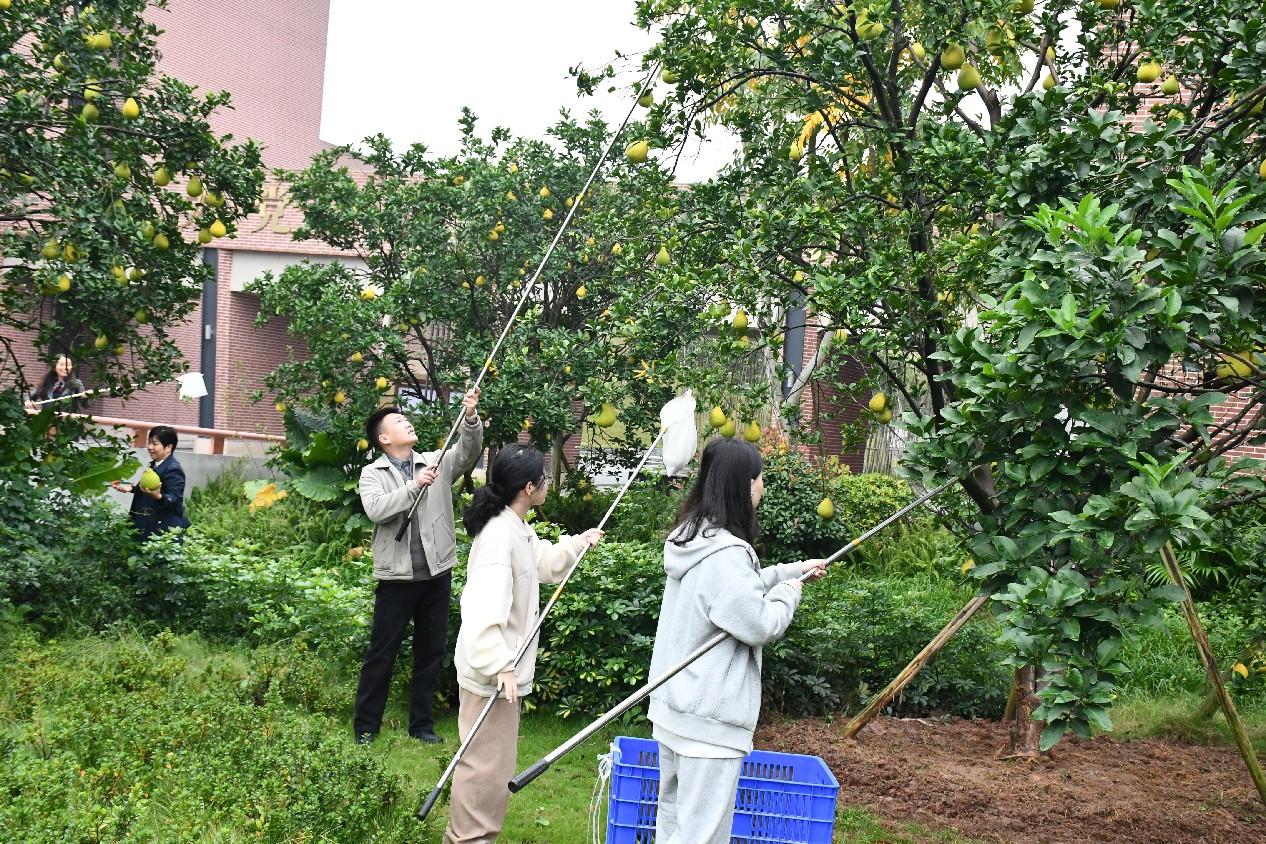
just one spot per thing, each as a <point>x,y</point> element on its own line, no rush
<point>705,716</point>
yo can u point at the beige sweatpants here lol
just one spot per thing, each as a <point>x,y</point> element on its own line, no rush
<point>477,806</point>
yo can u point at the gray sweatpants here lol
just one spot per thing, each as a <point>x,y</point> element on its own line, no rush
<point>696,798</point>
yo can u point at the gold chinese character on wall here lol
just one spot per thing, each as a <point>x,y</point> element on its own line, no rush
<point>272,206</point>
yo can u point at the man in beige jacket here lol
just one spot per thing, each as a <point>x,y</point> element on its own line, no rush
<point>414,574</point>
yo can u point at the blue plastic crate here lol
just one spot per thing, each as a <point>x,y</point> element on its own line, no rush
<point>782,797</point>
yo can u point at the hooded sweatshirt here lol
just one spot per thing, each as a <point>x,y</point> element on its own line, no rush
<point>714,583</point>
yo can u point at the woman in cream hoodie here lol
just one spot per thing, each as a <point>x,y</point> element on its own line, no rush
<point>499,609</point>
<point>704,717</point>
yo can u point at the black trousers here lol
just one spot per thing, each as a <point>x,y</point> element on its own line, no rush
<point>396,603</point>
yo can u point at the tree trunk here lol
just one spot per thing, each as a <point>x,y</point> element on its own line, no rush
<point>1026,733</point>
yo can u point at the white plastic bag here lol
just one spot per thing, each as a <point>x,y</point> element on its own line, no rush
<point>681,438</point>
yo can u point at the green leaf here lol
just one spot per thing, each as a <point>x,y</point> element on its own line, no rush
<point>321,451</point>
<point>251,488</point>
<point>1098,718</point>
<point>324,483</point>
<point>1051,734</point>
<point>97,477</point>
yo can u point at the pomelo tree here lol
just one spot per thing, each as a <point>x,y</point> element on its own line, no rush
<point>444,249</point>
<point>110,179</point>
<point>1038,225</point>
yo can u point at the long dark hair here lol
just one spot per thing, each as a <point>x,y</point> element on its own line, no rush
<point>50,377</point>
<point>722,494</point>
<point>514,467</point>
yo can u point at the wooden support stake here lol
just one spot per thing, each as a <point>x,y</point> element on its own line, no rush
<point>1211,668</point>
<point>908,673</point>
<point>1210,704</point>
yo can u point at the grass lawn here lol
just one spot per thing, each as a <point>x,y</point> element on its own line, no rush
<point>171,739</point>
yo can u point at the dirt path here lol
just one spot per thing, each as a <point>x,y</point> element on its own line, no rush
<point>948,775</point>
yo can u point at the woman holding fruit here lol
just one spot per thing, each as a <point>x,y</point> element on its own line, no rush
<point>158,498</point>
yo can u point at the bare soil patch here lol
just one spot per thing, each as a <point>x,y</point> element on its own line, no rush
<point>950,775</point>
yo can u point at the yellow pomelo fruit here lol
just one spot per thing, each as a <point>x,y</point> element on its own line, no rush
<point>952,57</point>
<point>638,151</point>
<point>150,481</point>
<point>968,78</point>
<point>1148,72</point>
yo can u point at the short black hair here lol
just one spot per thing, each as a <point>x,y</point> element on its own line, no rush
<point>374,421</point>
<point>165,434</point>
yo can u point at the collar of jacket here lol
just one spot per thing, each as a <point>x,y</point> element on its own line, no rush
<point>383,463</point>
<point>515,523</point>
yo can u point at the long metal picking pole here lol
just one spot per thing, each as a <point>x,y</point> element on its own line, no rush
<point>538,768</point>
<point>529,287</point>
<point>431,798</point>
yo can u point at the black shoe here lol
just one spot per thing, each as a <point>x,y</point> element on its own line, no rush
<point>428,737</point>
<point>366,738</point>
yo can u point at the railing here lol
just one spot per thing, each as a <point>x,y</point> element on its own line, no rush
<point>218,436</point>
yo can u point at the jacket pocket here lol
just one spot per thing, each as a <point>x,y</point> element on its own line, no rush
<point>444,534</point>
<point>388,552</point>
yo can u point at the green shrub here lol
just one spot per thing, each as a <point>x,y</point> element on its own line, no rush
<point>597,642</point>
<point>646,513</point>
<point>794,486</point>
<point>242,591</point>
<point>59,555</point>
<point>916,548</point>
<point>852,634</point>
<point>129,738</point>
<point>294,526</point>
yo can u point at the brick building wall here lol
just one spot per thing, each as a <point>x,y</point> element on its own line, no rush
<point>271,58</point>
<point>837,411</point>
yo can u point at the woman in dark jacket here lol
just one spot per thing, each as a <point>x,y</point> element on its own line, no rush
<point>157,510</point>
<point>59,382</point>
